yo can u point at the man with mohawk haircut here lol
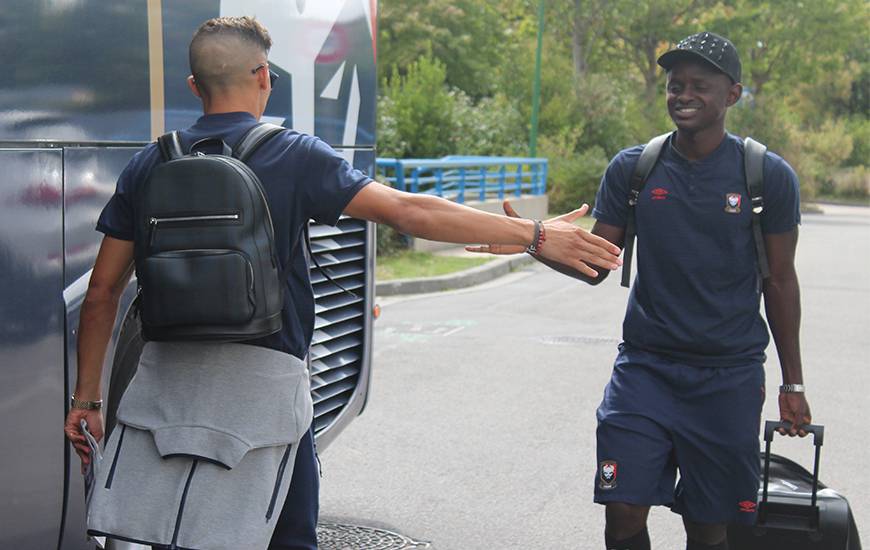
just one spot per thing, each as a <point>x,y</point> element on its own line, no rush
<point>303,178</point>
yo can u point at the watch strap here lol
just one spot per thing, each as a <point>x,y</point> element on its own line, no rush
<point>792,388</point>
<point>84,404</point>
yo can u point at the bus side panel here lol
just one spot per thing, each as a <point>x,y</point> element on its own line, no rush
<point>31,346</point>
<point>90,174</point>
<point>74,71</point>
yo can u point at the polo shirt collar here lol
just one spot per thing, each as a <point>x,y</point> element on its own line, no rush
<point>222,119</point>
<point>712,158</point>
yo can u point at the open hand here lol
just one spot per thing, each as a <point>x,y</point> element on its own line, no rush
<point>566,244</point>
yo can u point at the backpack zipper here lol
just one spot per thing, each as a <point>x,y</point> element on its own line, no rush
<point>155,221</point>
<point>204,218</point>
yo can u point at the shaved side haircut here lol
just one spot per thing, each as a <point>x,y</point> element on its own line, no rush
<point>226,49</point>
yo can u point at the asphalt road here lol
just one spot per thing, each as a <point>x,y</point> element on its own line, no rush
<point>479,432</point>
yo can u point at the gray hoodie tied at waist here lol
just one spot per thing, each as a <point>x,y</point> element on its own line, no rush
<point>203,452</point>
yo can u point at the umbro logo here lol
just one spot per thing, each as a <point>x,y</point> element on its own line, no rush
<point>659,194</point>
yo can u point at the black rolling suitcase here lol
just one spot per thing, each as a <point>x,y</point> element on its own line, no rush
<point>795,510</point>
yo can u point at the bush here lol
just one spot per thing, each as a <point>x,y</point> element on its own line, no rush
<point>852,183</point>
<point>390,241</point>
<point>416,112</point>
<point>815,155</point>
<point>490,126</point>
<point>572,178</point>
<point>859,128</point>
<point>612,119</point>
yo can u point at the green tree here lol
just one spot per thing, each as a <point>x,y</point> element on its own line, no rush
<point>466,36</point>
<point>785,42</point>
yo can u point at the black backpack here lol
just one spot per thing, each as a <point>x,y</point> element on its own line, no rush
<point>204,248</point>
<point>753,167</point>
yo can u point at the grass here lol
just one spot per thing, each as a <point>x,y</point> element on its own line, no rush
<point>410,264</point>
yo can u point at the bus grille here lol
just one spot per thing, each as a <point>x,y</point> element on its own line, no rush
<point>337,348</point>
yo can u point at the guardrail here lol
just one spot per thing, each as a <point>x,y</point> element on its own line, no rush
<point>461,177</point>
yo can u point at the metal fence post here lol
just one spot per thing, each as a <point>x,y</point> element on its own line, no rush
<point>501,177</point>
<point>519,181</point>
<point>482,184</point>
<point>461,198</point>
<point>533,166</point>
<point>546,164</point>
<point>399,175</point>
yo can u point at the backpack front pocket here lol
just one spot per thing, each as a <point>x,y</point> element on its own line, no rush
<point>197,287</point>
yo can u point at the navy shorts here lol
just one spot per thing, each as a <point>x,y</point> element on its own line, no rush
<point>296,528</point>
<point>659,417</point>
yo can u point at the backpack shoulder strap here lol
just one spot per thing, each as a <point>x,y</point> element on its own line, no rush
<point>648,158</point>
<point>753,167</point>
<point>170,146</point>
<point>254,138</point>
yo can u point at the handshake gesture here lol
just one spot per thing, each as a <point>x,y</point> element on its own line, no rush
<point>564,246</point>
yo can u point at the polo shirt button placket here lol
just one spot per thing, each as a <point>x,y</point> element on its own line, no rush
<point>692,175</point>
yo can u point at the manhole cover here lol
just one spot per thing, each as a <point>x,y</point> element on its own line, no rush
<point>576,340</point>
<point>342,536</point>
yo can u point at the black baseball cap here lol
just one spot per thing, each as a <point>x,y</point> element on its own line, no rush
<point>712,48</point>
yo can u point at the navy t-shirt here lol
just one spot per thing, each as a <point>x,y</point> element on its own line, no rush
<point>696,295</point>
<point>303,178</point>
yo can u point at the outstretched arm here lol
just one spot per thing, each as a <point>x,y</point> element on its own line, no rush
<point>783,308</point>
<point>438,219</point>
<point>611,233</point>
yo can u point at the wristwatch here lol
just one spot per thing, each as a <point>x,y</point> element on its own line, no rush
<point>791,388</point>
<point>86,405</point>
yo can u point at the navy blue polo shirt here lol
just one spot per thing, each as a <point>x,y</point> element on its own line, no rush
<point>303,178</point>
<point>696,295</point>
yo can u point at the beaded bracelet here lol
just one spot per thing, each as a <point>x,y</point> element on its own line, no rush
<point>538,241</point>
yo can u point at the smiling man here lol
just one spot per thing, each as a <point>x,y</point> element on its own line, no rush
<point>688,383</point>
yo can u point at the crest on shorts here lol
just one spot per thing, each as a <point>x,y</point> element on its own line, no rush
<point>607,474</point>
<point>732,203</point>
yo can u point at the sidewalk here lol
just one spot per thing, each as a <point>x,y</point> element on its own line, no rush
<point>501,265</point>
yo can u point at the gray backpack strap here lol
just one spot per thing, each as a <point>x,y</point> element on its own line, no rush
<point>648,158</point>
<point>170,146</point>
<point>253,138</point>
<point>753,166</point>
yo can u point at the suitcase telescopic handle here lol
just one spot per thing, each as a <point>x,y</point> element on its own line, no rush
<point>772,425</point>
<point>818,438</point>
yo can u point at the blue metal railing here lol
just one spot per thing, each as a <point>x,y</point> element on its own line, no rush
<point>462,178</point>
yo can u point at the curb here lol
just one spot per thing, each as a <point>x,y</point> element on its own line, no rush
<point>461,279</point>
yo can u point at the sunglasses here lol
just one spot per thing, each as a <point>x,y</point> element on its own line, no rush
<point>273,76</point>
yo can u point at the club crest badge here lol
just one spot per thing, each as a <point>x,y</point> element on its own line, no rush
<point>732,203</point>
<point>607,474</point>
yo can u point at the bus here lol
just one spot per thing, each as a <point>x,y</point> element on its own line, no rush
<point>84,84</point>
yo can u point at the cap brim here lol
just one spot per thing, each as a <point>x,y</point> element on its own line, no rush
<point>668,59</point>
